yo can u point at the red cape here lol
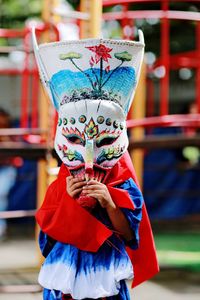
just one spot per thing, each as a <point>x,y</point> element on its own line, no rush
<point>66,221</point>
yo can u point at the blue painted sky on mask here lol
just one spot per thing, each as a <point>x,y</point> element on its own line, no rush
<point>121,82</point>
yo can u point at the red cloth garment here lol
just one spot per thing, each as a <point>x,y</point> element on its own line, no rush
<point>66,221</point>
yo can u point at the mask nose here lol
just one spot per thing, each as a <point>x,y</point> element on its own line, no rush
<point>89,156</point>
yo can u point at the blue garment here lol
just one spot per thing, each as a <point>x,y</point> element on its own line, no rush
<point>83,274</point>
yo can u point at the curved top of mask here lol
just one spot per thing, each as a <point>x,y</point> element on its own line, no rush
<point>99,69</point>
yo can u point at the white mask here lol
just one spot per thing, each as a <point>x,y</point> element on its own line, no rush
<point>91,83</point>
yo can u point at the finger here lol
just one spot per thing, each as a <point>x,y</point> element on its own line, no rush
<point>87,191</point>
<point>77,179</point>
<point>98,197</point>
<point>76,192</point>
<point>72,180</point>
<point>93,187</point>
<point>94,181</point>
<point>80,184</point>
<point>95,194</point>
<point>102,201</point>
<point>68,179</point>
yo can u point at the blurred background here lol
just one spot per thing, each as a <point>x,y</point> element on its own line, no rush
<point>163,126</point>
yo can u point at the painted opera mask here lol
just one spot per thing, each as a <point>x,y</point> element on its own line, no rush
<point>91,84</point>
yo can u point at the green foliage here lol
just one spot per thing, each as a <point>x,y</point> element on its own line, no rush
<point>14,8</point>
<point>74,3</point>
<point>179,249</point>
<point>15,12</point>
<point>3,42</point>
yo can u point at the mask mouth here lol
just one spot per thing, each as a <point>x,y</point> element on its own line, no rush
<point>98,173</point>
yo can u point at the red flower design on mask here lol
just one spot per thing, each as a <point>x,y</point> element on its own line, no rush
<point>107,69</point>
<point>100,51</point>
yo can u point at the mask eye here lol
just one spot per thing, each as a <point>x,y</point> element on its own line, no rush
<point>75,139</point>
<point>108,140</point>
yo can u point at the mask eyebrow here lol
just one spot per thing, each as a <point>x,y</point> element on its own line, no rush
<point>107,137</point>
<point>68,133</point>
<point>108,132</point>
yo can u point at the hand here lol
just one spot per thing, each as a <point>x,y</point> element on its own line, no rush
<point>75,185</point>
<point>99,191</point>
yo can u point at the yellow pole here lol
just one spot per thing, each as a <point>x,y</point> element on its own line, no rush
<point>92,27</point>
<point>45,110</point>
<point>137,112</point>
<point>55,18</point>
<point>46,10</point>
<point>45,114</point>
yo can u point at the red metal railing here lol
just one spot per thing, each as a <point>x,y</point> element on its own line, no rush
<point>28,73</point>
<point>192,121</point>
<point>190,59</point>
<point>116,2</point>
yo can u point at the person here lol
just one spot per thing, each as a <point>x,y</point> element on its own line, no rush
<point>95,232</point>
<point>7,173</point>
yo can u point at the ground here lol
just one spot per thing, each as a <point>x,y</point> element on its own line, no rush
<point>178,254</point>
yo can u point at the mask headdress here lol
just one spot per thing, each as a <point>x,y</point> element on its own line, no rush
<point>91,83</point>
<point>96,69</point>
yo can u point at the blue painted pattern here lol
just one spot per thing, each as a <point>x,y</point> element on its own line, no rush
<point>69,269</point>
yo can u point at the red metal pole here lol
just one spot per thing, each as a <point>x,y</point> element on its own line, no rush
<point>124,21</point>
<point>131,24</point>
<point>127,22</point>
<point>198,68</point>
<point>12,33</point>
<point>25,87</point>
<point>150,97</point>
<point>34,106</point>
<point>164,83</point>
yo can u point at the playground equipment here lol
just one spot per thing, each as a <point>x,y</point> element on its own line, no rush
<point>167,60</point>
<point>142,116</point>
